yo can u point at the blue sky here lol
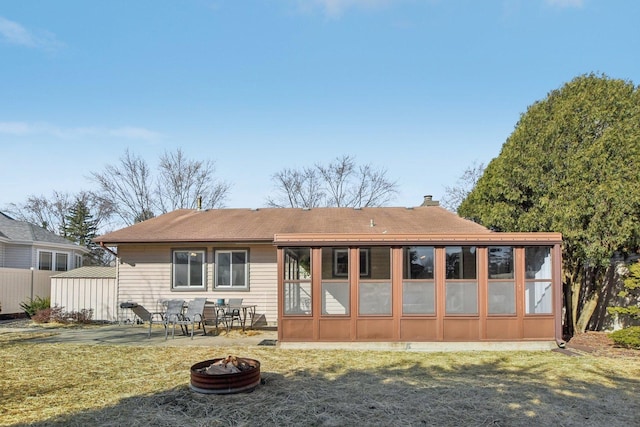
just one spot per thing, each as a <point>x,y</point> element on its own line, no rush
<point>422,88</point>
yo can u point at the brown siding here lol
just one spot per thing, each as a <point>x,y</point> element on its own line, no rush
<point>437,327</point>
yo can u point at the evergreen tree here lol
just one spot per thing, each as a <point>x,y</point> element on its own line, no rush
<point>81,228</point>
<point>571,166</point>
<point>631,295</point>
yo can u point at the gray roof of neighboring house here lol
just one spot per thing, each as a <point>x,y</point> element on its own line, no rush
<point>90,272</point>
<point>23,232</point>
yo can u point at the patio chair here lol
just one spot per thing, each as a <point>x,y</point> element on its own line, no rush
<point>233,312</point>
<point>172,314</point>
<point>147,316</point>
<point>194,315</point>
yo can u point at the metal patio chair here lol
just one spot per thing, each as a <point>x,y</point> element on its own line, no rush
<point>232,312</point>
<point>147,316</point>
<point>172,314</point>
<point>194,315</point>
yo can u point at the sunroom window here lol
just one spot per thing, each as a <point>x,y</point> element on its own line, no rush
<point>538,291</point>
<point>418,286</point>
<point>297,281</point>
<point>501,292</point>
<point>232,269</point>
<point>335,281</point>
<point>461,287</point>
<point>374,295</point>
<point>188,269</point>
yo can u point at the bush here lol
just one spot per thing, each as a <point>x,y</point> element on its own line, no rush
<point>34,305</point>
<point>58,315</point>
<point>628,337</point>
<point>82,316</point>
<point>49,314</point>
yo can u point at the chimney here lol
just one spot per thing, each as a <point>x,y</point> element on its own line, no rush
<point>199,202</point>
<point>428,201</point>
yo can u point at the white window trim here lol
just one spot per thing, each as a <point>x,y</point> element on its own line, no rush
<point>204,271</point>
<point>246,269</point>
<point>54,254</point>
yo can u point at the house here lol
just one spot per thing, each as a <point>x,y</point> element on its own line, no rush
<point>343,275</point>
<point>29,255</point>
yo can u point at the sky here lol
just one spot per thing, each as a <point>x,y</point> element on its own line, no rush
<point>420,88</point>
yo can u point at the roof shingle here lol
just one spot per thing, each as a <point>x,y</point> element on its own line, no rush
<point>186,225</point>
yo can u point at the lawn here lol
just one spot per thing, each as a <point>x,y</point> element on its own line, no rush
<point>69,384</point>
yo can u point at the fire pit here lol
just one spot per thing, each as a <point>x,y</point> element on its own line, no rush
<point>225,375</point>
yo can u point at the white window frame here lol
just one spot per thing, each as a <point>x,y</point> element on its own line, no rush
<point>246,269</point>
<point>54,259</point>
<point>189,287</point>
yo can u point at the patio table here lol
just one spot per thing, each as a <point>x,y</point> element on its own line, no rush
<point>222,314</point>
<point>245,309</point>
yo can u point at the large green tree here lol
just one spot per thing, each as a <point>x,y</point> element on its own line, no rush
<point>572,165</point>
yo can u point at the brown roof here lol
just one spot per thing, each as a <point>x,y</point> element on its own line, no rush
<point>254,225</point>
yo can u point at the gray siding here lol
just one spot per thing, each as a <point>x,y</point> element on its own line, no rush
<point>17,256</point>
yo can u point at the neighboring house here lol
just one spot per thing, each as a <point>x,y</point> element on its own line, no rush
<point>29,255</point>
<point>391,274</point>
<point>24,245</point>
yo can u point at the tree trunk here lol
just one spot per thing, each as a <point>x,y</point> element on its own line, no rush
<point>587,311</point>
<point>576,287</point>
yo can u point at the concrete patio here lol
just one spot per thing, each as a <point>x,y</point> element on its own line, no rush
<point>138,335</point>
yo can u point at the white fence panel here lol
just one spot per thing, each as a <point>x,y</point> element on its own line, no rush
<point>19,285</point>
<point>77,294</point>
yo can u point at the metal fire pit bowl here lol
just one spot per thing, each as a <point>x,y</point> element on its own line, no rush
<point>239,382</point>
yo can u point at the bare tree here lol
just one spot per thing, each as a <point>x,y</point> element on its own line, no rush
<point>137,195</point>
<point>341,183</point>
<point>181,181</point>
<point>297,188</point>
<point>454,195</point>
<point>127,187</point>
<point>51,213</point>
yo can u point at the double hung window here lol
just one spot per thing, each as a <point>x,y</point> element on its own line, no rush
<point>188,269</point>
<point>232,270</point>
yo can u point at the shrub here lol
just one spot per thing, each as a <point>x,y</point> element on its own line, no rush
<point>628,337</point>
<point>82,316</point>
<point>35,305</point>
<point>58,315</point>
<point>49,314</point>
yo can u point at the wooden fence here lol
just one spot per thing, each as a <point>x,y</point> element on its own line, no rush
<point>19,285</point>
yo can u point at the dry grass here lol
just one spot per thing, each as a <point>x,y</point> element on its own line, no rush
<point>78,385</point>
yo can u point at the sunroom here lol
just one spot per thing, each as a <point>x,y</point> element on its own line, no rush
<point>491,287</point>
